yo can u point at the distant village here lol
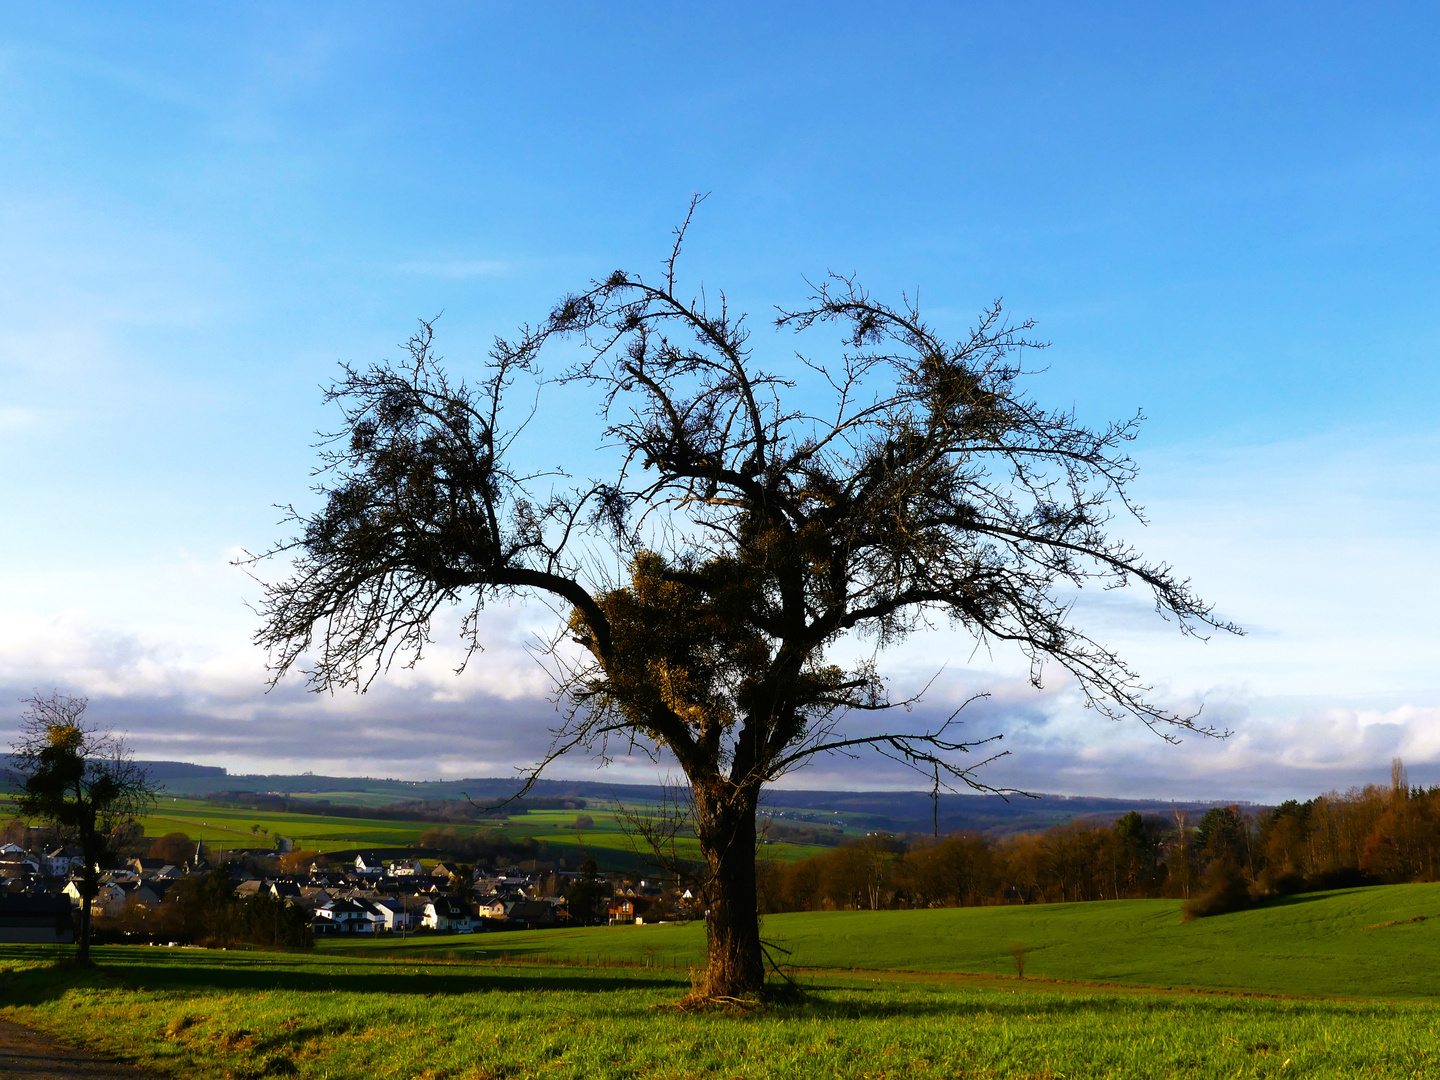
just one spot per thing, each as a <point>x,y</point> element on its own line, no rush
<point>367,896</point>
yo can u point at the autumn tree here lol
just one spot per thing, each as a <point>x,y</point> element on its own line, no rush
<point>299,861</point>
<point>955,870</point>
<point>80,781</point>
<point>1284,836</point>
<point>757,523</point>
<point>176,848</point>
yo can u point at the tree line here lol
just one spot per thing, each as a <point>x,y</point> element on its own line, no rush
<point>484,847</point>
<point>1228,858</point>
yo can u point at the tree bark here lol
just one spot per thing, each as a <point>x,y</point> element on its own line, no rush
<point>91,849</point>
<point>89,887</point>
<point>725,819</point>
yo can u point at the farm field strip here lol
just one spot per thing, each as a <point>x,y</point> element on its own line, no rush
<point>325,833</point>
<point>231,826</point>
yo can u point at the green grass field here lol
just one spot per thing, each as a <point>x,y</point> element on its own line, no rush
<point>1354,986</point>
<point>1315,944</point>
<point>199,1014</point>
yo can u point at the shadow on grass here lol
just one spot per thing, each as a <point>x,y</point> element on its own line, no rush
<point>171,973</point>
<point>178,975</point>
<point>1294,899</point>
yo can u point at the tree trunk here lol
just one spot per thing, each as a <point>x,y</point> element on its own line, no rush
<point>92,849</point>
<point>725,820</point>
<point>89,887</point>
<point>82,957</point>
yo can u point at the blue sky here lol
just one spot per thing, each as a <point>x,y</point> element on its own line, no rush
<point>1226,217</point>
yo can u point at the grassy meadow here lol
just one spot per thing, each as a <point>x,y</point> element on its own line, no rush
<point>201,1014</point>
<point>1337,984</point>
<point>1326,944</point>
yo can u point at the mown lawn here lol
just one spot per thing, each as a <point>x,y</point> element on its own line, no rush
<point>208,1014</point>
<point>1323,944</point>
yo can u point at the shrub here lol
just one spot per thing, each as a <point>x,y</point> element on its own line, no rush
<point>1222,890</point>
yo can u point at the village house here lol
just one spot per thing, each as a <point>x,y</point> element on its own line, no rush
<point>345,917</point>
<point>63,861</point>
<point>446,914</point>
<point>314,896</point>
<point>628,909</point>
<point>493,907</point>
<point>486,883</point>
<point>112,897</point>
<point>397,914</point>
<point>19,864</point>
<point>531,914</point>
<point>288,891</point>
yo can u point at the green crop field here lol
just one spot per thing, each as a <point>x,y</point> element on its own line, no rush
<point>234,827</point>
<point>231,827</point>
<point>1327,944</point>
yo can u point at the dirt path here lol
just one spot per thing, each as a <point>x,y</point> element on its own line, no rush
<point>28,1053</point>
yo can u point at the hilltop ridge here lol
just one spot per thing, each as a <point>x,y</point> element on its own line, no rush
<point>896,811</point>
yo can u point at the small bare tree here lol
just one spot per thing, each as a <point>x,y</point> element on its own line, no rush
<point>1019,952</point>
<point>755,535</point>
<point>80,781</point>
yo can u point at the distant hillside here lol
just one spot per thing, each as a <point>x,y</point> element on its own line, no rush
<point>894,811</point>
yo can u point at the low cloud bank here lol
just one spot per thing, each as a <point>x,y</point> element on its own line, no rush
<point>1320,547</point>
<point>1278,750</point>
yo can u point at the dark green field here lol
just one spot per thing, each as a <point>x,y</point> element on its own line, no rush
<point>1341,995</point>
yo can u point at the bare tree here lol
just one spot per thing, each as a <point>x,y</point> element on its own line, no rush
<point>1181,858</point>
<point>754,536</point>
<point>1399,778</point>
<point>1019,952</point>
<point>81,781</point>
